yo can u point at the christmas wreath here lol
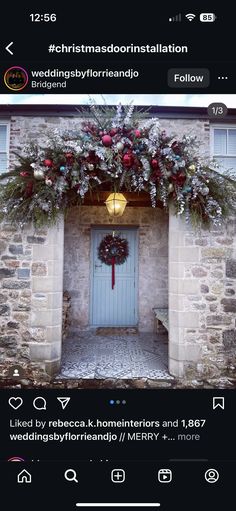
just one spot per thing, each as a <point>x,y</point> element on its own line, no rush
<point>117,148</point>
<point>113,250</point>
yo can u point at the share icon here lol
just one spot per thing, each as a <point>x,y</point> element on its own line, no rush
<point>64,401</point>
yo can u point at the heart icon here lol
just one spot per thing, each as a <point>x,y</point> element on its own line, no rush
<point>15,402</point>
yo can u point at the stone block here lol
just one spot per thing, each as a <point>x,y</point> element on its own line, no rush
<point>204,289</point>
<point>177,239</point>
<point>54,300</point>
<point>8,341</point>
<point>183,286</point>
<point>185,352</point>
<point>36,240</point>
<point>214,253</point>
<point>46,284</point>
<point>201,242</point>
<point>56,350</point>
<point>46,318</point>
<point>13,324</point>
<point>4,310</point>
<point>218,319</point>
<point>211,298</point>
<point>39,268</point>
<point>52,367</point>
<point>176,302</point>
<point>231,268</point>
<point>188,319</point>
<point>21,316</point>
<point>6,273</point>
<point>48,253</point>
<point>40,351</point>
<point>176,368</point>
<point>217,288</point>
<point>229,304</point>
<point>184,254</point>
<point>229,339</point>
<point>176,270</point>
<point>199,272</point>
<point>54,333</point>
<point>213,307</point>
<point>15,284</point>
<point>23,273</point>
<point>8,258</point>
<point>39,301</point>
<point>3,246</point>
<point>16,249</point>
<point>55,235</point>
<point>55,268</point>
<point>229,292</point>
<point>17,238</point>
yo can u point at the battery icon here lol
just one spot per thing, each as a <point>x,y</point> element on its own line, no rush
<point>207,17</point>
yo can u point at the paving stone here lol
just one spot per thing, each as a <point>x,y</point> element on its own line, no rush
<point>115,356</point>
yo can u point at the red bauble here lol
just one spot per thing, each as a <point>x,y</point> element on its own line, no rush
<point>69,155</point>
<point>47,163</point>
<point>113,132</point>
<point>154,164</point>
<point>128,160</point>
<point>107,140</point>
<point>24,173</point>
<point>137,133</point>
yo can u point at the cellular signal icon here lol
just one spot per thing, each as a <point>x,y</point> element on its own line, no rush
<point>176,18</point>
<point>190,17</point>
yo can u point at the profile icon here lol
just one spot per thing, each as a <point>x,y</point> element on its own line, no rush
<point>212,475</point>
<point>16,78</point>
<point>16,372</point>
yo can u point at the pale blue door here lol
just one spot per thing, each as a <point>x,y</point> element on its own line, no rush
<point>118,306</point>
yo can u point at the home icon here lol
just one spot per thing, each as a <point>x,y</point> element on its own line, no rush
<point>24,477</point>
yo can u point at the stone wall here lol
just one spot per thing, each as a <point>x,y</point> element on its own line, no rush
<point>152,260</point>
<point>31,269</point>
<point>202,301</point>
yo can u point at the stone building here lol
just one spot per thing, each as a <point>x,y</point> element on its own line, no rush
<point>193,273</point>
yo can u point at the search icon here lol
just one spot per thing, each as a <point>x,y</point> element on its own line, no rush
<point>71,476</point>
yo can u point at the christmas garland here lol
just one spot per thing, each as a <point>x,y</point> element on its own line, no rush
<point>113,250</point>
<point>119,151</point>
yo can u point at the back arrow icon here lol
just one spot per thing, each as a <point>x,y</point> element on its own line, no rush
<point>8,48</point>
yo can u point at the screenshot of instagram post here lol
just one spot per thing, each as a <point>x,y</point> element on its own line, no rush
<point>117,260</point>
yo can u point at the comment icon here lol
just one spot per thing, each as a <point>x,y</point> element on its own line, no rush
<point>39,403</point>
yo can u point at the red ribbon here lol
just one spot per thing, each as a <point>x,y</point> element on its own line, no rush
<point>113,262</point>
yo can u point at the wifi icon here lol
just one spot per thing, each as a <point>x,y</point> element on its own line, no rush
<point>190,17</point>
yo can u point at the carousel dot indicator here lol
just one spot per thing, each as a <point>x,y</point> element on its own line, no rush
<point>112,402</point>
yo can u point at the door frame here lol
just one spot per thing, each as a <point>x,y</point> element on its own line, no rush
<point>117,227</point>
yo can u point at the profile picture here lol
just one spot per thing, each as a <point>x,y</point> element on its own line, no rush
<point>16,78</point>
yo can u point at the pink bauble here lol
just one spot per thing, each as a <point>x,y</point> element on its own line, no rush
<point>137,133</point>
<point>107,140</point>
<point>154,164</point>
<point>128,160</point>
<point>47,163</point>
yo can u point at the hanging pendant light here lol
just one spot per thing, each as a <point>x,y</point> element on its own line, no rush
<point>116,203</point>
